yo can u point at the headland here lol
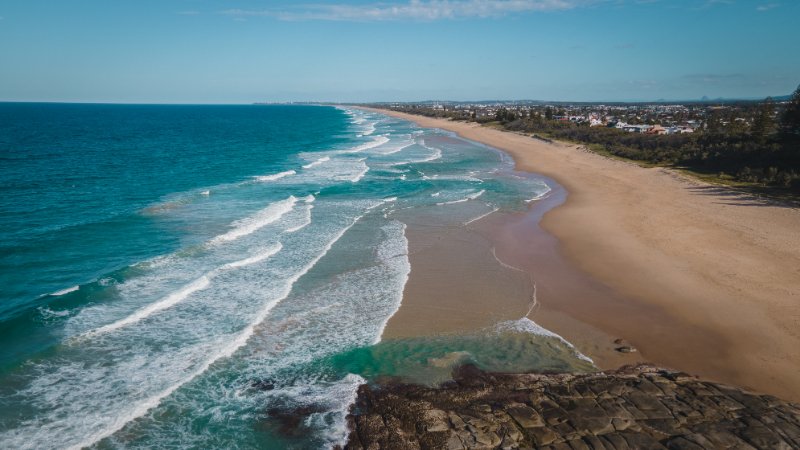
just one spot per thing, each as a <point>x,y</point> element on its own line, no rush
<point>630,408</point>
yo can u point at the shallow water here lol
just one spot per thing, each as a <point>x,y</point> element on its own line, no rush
<point>181,276</point>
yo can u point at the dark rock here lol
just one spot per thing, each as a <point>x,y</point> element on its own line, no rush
<point>290,420</point>
<point>263,385</point>
<point>641,407</point>
<point>542,436</point>
<point>525,416</point>
<point>681,443</point>
<point>623,346</point>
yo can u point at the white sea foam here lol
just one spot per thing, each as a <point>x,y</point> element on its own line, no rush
<point>205,193</point>
<point>433,156</point>
<point>264,312</point>
<point>494,210</point>
<point>65,291</point>
<point>469,197</point>
<point>183,293</point>
<point>390,150</point>
<point>373,293</point>
<point>254,309</point>
<point>48,313</point>
<point>306,222</point>
<point>347,393</point>
<point>243,336</point>
<point>437,153</point>
<point>339,167</point>
<point>453,178</point>
<point>108,281</point>
<point>274,177</point>
<point>251,224</point>
<point>540,196</point>
<point>167,302</point>
<point>369,130</point>
<point>354,177</point>
<point>375,142</point>
<point>140,408</point>
<point>317,162</point>
<point>395,250</point>
<point>506,265</point>
<point>263,256</point>
<point>360,175</point>
<point>98,431</point>
<point>392,170</point>
<point>526,325</point>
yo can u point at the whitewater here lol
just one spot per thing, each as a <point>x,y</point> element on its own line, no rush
<point>214,303</point>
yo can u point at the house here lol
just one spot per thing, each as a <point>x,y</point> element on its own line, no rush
<point>633,128</point>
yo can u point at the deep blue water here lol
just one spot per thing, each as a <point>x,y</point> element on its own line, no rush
<point>161,266</point>
<point>74,172</point>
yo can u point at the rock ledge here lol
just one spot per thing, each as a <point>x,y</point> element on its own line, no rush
<point>642,407</point>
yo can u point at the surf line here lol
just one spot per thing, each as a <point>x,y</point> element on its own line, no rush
<point>534,302</point>
<point>242,227</point>
<point>237,342</point>
<point>482,216</point>
<point>268,215</point>
<point>181,294</point>
<point>535,305</point>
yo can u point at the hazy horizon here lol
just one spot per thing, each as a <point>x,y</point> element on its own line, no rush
<point>442,100</point>
<point>351,51</point>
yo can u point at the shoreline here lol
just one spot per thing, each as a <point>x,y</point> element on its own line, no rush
<point>694,276</point>
<point>454,271</point>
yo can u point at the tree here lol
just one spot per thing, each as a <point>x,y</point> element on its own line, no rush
<point>714,123</point>
<point>548,113</point>
<point>764,120</point>
<point>503,115</point>
<point>790,122</point>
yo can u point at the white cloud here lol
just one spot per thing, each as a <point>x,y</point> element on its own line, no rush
<point>423,10</point>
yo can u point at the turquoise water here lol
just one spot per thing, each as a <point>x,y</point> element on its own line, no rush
<point>182,276</point>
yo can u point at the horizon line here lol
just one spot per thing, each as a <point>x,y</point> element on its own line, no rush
<point>377,102</point>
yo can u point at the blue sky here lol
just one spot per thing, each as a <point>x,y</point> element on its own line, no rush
<point>240,51</point>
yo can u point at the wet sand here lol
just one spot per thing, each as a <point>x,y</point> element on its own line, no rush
<point>472,277</point>
<point>696,277</point>
<point>456,285</point>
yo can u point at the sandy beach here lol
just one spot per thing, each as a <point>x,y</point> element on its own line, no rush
<point>696,277</point>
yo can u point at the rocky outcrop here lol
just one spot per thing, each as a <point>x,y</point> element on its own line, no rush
<point>639,407</point>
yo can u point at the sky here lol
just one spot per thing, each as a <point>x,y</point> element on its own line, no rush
<point>243,51</point>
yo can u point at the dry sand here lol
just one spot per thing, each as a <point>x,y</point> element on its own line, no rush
<point>697,277</point>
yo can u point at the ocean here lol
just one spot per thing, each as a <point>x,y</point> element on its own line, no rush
<point>220,276</point>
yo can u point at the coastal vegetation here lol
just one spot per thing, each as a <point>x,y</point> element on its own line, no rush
<point>749,144</point>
